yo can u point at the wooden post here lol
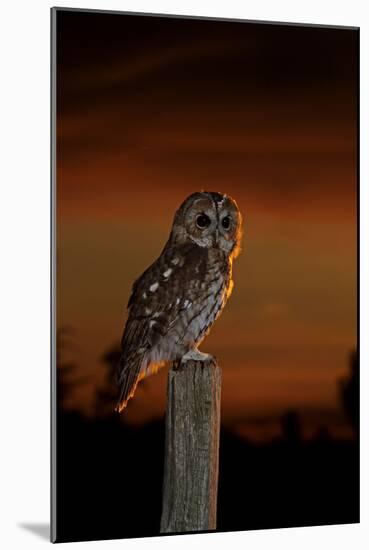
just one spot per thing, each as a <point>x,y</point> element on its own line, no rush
<point>191,447</point>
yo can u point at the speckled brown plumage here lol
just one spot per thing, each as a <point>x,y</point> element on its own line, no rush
<point>177,299</point>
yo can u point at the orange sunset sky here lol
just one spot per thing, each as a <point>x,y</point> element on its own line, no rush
<point>151,109</point>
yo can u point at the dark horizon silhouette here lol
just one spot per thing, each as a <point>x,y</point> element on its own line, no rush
<point>342,421</point>
<point>105,465</point>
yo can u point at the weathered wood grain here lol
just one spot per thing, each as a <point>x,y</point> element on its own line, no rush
<point>191,447</point>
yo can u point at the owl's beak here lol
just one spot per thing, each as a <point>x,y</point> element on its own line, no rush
<point>216,237</point>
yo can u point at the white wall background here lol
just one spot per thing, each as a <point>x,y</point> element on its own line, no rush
<point>24,267</point>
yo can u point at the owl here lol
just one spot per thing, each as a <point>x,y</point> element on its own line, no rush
<point>177,299</point>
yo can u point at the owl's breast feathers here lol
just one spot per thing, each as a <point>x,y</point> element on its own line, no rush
<point>171,308</point>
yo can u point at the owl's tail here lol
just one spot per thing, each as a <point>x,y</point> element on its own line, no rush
<point>128,376</point>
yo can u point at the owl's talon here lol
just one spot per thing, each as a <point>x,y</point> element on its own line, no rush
<point>196,355</point>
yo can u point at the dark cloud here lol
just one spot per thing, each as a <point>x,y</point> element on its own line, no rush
<point>122,55</point>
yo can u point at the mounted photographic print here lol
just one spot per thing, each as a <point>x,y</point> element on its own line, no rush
<point>205,372</point>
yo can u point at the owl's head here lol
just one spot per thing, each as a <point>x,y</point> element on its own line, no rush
<point>210,220</point>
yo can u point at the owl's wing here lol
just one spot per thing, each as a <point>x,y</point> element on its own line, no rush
<point>166,288</point>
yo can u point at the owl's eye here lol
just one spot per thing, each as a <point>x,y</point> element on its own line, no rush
<point>226,222</point>
<point>202,221</point>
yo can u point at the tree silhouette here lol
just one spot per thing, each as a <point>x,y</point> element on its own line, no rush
<point>350,392</point>
<point>291,427</point>
<point>67,378</point>
<point>106,396</point>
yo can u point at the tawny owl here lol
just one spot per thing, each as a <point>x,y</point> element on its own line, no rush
<point>177,299</point>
